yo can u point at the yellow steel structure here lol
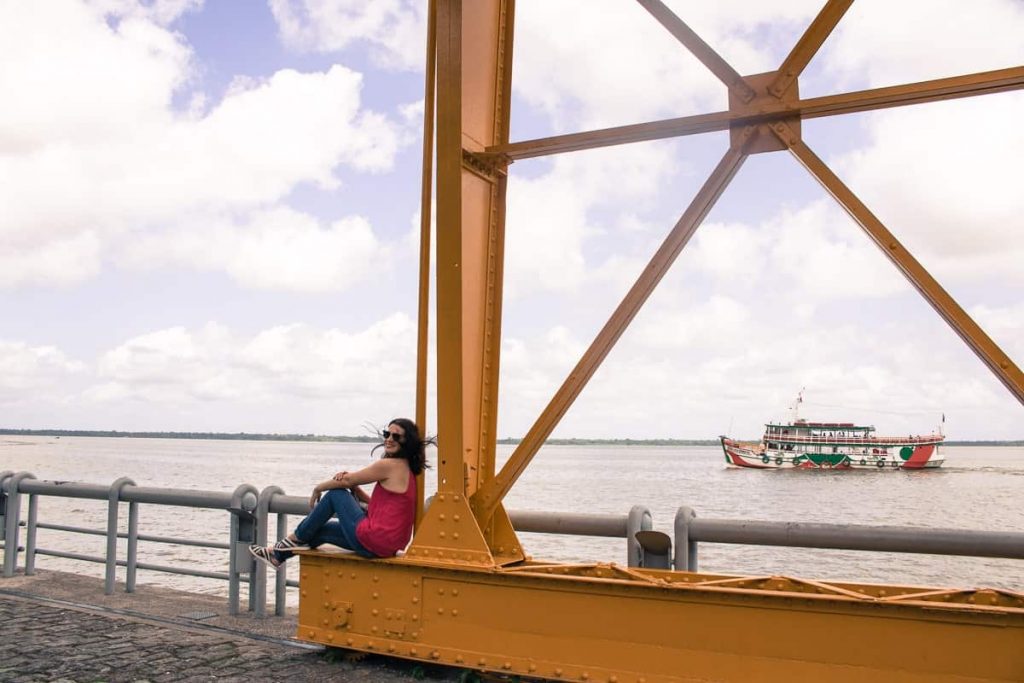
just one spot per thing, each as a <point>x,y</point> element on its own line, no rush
<point>465,593</point>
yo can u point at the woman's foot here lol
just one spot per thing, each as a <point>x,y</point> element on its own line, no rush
<point>268,556</point>
<point>291,543</point>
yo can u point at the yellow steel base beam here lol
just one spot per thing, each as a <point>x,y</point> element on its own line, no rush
<point>608,623</point>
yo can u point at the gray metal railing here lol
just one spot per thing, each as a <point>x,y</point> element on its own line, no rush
<point>250,512</point>
<point>690,530</point>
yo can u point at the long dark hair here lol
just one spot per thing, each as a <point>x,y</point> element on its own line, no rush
<point>413,446</point>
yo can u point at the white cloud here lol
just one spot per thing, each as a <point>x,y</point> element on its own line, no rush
<point>272,380</point>
<point>551,217</point>
<point>394,30</point>
<point>27,371</point>
<point>92,152</point>
<point>945,180</point>
<point>882,43</point>
<point>279,249</point>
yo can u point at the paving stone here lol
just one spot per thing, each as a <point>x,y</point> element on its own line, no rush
<point>42,643</point>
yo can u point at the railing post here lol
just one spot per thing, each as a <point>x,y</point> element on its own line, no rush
<point>30,535</point>
<point>686,552</point>
<point>12,514</point>
<point>133,547</point>
<point>113,500</point>
<point>258,592</point>
<point>242,534</point>
<point>3,502</point>
<point>281,587</point>
<point>639,520</point>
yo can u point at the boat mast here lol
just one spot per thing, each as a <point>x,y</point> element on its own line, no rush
<point>796,406</point>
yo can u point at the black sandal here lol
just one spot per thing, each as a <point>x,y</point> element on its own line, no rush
<point>267,556</point>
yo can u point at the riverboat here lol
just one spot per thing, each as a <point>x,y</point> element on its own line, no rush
<point>802,444</point>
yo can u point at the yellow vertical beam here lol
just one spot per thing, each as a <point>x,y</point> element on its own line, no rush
<point>426,187</point>
<point>474,41</point>
<point>987,350</point>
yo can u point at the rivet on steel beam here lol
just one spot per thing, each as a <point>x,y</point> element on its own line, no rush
<point>303,593</point>
<point>415,583</point>
<point>391,648</point>
<point>456,517</point>
<point>330,637</point>
<point>341,574</point>
<point>455,612</point>
<point>532,667</point>
<point>415,617</point>
<point>376,595</point>
<point>440,498</point>
<point>585,676</point>
<point>375,612</point>
<point>558,672</point>
<point>326,622</point>
<point>441,534</point>
<point>369,645</point>
<point>376,579</point>
<point>373,629</point>
<point>415,634</point>
<point>352,575</point>
<point>441,516</point>
<point>327,589</point>
<point>455,591</point>
<point>481,661</point>
<point>506,665</point>
<point>349,641</point>
<point>435,655</point>
<point>458,659</point>
<point>311,633</point>
<point>440,591</point>
<point>455,535</point>
<point>327,605</point>
<point>440,610</point>
<point>892,246</point>
<point>1005,365</point>
<point>415,600</point>
<point>305,575</point>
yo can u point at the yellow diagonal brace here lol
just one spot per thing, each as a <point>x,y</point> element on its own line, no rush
<point>808,45</point>
<point>493,491</point>
<point>986,349</point>
<point>701,50</point>
<point>983,83</point>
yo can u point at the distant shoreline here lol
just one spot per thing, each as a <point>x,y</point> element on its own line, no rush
<point>245,436</point>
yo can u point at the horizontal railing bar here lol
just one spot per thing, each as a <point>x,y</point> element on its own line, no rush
<point>217,500</point>
<point>142,537</point>
<point>577,524</point>
<point>968,542</point>
<point>139,565</point>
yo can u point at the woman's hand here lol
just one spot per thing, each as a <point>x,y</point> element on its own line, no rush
<point>340,475</point>
<point>315,497</point>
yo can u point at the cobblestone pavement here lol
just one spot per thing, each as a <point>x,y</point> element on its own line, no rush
<point>43,640</point>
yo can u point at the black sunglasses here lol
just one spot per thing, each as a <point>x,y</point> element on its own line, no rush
<point>385,434</point>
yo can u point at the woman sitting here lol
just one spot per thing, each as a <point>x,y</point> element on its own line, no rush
<point>385,527</point>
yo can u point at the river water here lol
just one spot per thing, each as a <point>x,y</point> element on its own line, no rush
<point>978,488</point>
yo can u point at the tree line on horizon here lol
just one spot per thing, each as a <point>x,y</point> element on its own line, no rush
<point>246,436</point>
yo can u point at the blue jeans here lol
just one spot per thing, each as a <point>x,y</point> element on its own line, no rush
<point>318,527</point>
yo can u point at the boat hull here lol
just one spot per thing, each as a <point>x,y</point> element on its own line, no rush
<point>906,456</point>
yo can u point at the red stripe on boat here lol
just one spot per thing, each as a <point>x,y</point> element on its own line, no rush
<point>919,457</point>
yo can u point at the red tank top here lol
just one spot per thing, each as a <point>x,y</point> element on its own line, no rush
<point>387,527</point>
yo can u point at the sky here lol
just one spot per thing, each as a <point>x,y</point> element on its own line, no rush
<point>209,219</point>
